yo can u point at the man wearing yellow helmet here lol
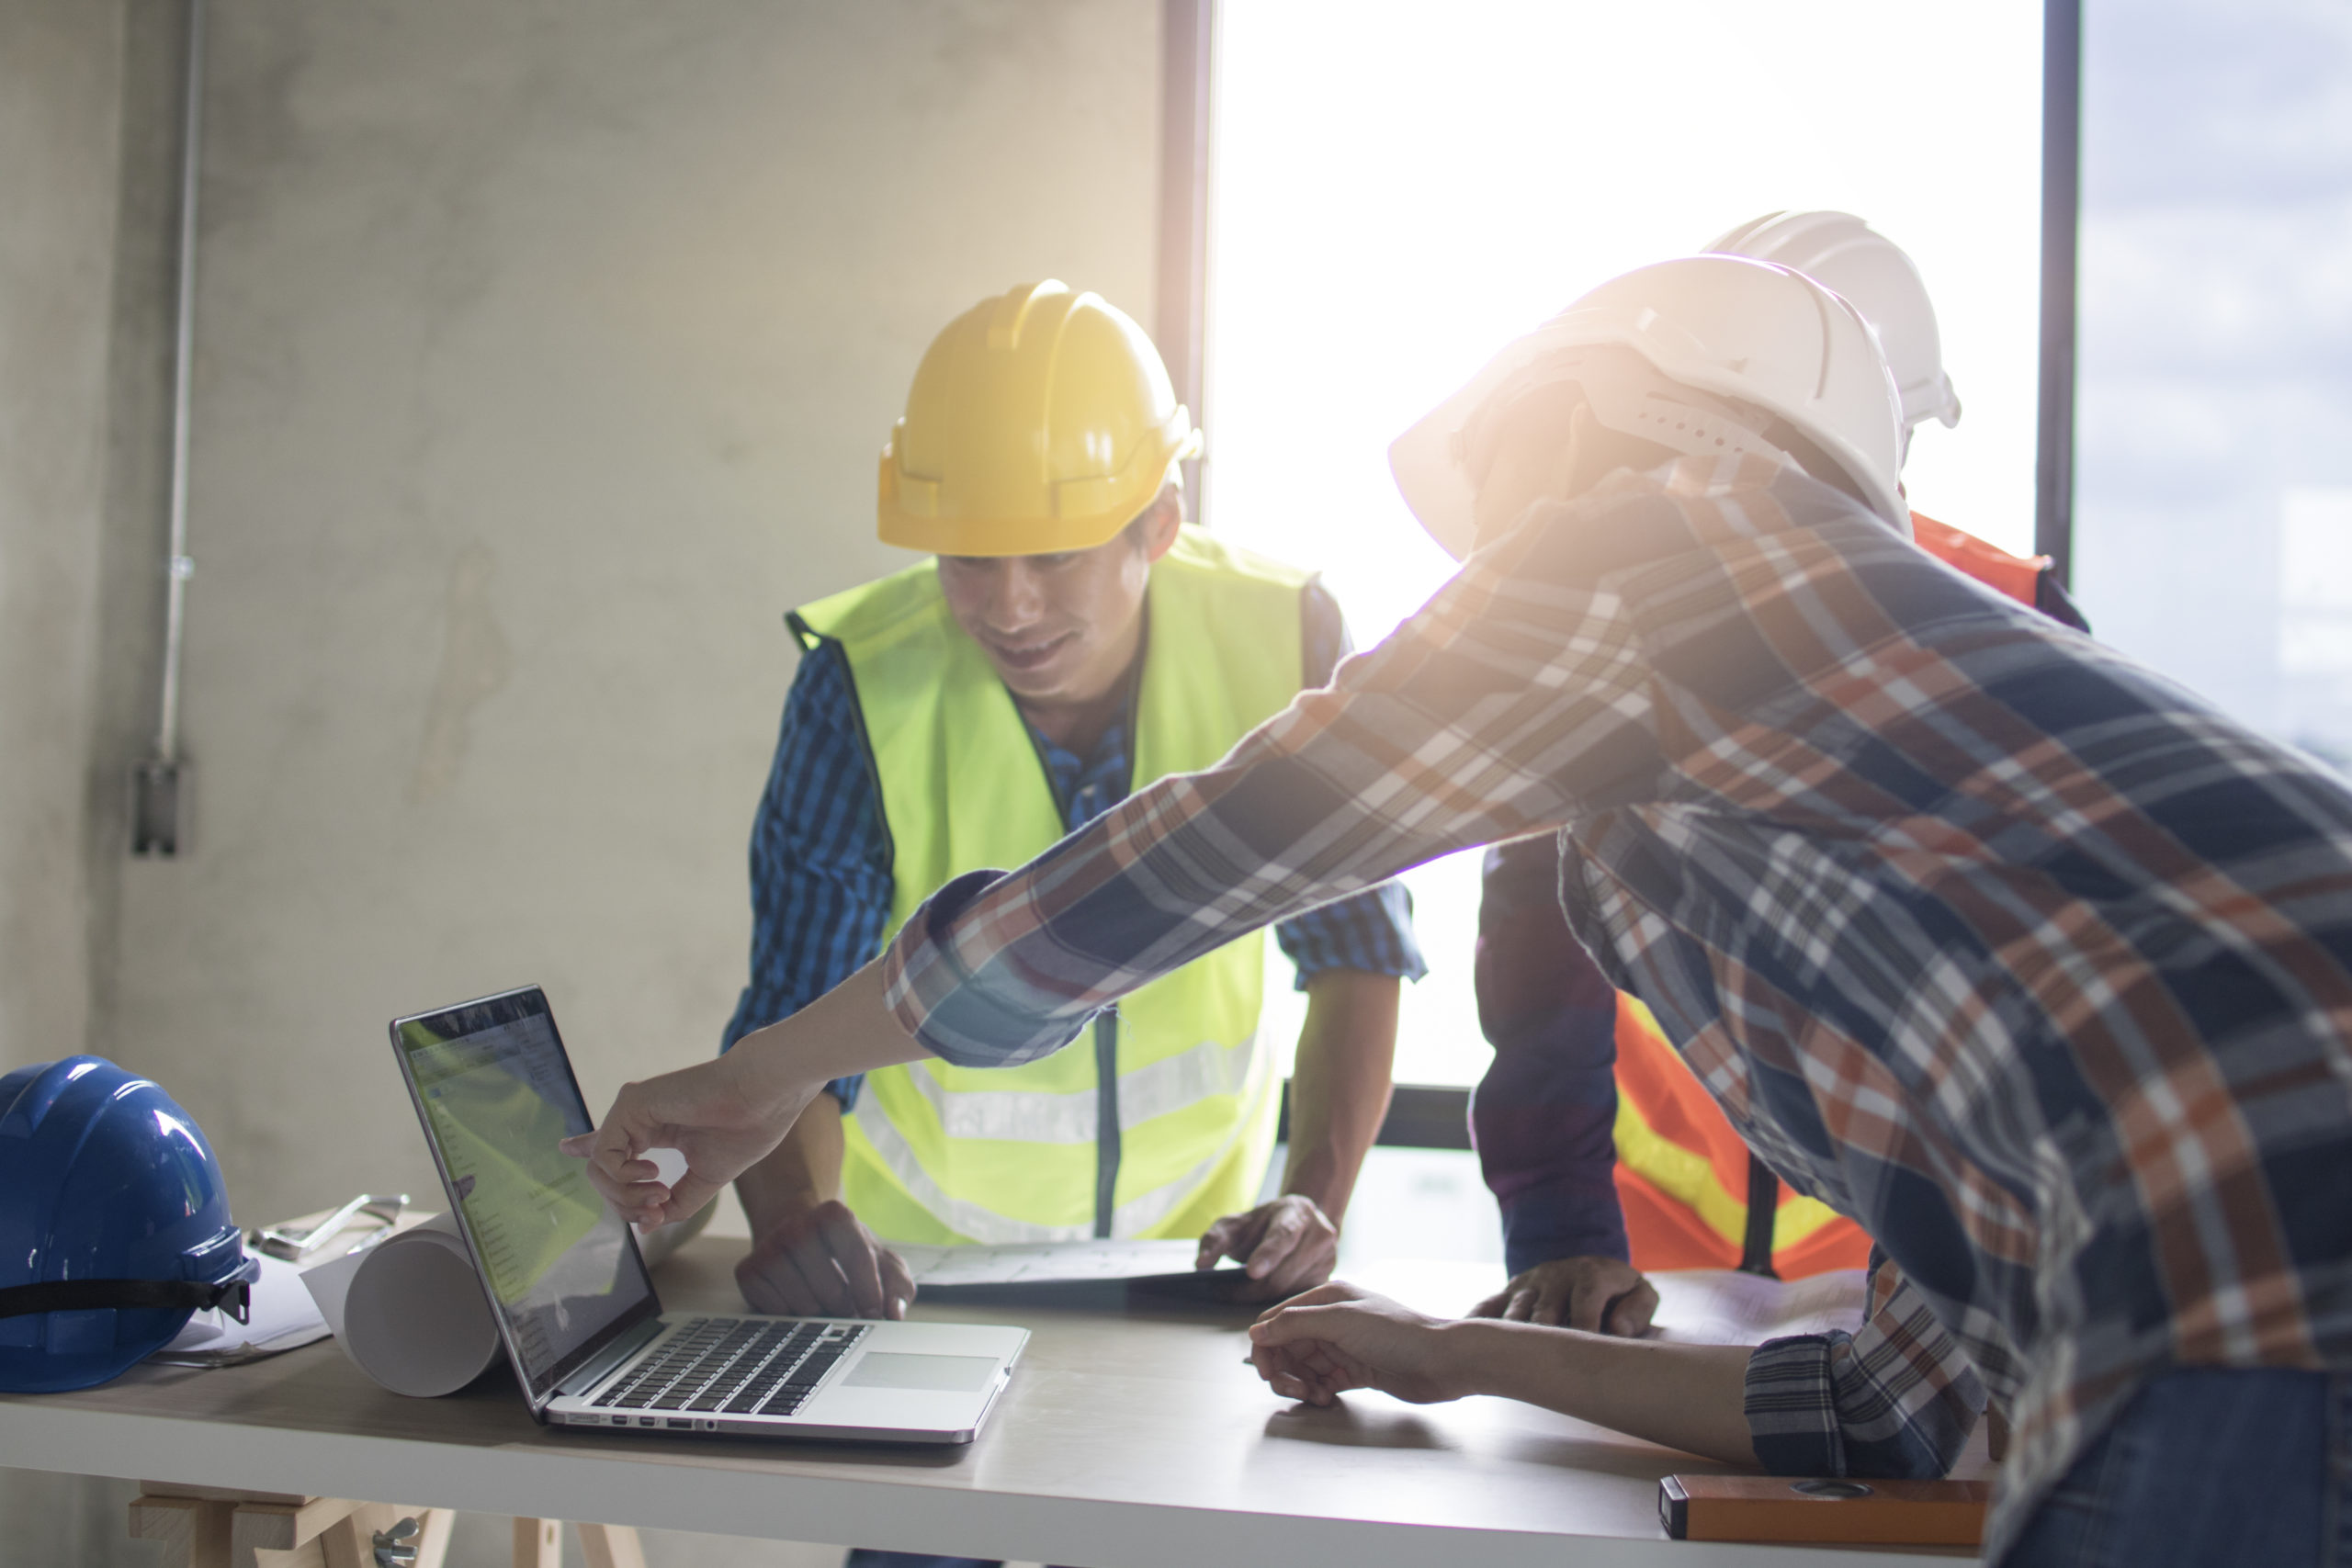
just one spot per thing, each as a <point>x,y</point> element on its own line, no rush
<point>1068,639</point>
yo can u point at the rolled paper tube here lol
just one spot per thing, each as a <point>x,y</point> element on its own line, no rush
<point>409,1312</point>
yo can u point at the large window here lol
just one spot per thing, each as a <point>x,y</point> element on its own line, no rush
<point>1399,188</point>
<point>2213,514</point>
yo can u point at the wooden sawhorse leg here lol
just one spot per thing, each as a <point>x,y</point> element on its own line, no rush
<point>538,1543</point>
<point>211,1527</point>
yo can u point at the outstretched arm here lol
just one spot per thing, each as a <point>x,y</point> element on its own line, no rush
<point>1487,716</point>
<point>1897,1396</point>
<point>725,1115</point>
<point>1338,1337</point>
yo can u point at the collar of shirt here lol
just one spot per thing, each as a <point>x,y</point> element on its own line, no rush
<point>1085,787</point>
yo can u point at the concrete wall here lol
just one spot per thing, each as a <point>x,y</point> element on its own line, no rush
<point>61,94</point>
<point>543,353</point>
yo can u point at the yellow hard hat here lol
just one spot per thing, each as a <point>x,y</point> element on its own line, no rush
<point>1039,421</point>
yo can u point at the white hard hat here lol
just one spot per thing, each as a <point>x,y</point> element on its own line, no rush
<point>1743,331</point>
<point>1847,256</point>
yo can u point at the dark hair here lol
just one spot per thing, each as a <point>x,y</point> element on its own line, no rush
<point>1815,460</point>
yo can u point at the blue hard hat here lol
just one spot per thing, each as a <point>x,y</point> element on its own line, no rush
<point>114,1226</point>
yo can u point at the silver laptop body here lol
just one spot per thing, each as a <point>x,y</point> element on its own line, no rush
<point>582,1326</point>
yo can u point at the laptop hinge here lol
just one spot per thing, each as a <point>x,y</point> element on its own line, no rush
<point>600,1365</point>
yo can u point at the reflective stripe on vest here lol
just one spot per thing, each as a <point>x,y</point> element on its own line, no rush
<point>1682,1172</point>
<point>2017,576</point>
<point>939,1153</point>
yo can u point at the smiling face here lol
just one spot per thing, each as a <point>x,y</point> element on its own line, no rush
<point>1061,629</point>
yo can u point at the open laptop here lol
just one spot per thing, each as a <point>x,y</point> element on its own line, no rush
<point>587,1336</point>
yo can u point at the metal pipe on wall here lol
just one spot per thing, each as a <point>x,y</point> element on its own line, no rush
<point>158,802</point>
<point>2062,163</point>
<point>1188,37</point>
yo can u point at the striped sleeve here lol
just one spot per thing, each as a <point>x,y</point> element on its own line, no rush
<point>1371,931</point>
<point>1897,1398</point>
<point>1459,729</point>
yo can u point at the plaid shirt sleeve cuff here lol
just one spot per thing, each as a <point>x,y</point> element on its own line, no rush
<point>1371,933</point>
<point>1791,1404</point>
<point>1898,1399</point>
<point>926,986</point>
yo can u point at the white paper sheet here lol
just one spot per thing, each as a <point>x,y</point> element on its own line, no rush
<point>409,1312</point>
<point>1046,1262</point>
<point>1723,1306</point>
<point>280,1315</point>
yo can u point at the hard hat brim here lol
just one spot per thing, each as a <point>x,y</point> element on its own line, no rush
<point>1088,513</point>
<point>1426,462</point>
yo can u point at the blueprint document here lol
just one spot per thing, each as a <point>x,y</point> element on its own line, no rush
<point>282,1316</point>
<point>1723,1306</point>
<point>1046,1262</point>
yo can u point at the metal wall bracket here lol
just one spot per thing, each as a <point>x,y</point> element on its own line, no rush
<point>159,785</point>
<point>158,799</point>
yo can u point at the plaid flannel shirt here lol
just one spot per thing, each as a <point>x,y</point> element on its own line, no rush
<point>2031,961</point>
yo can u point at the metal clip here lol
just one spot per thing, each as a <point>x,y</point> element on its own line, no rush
<point>396,1546</point>
<point>293,1245</point>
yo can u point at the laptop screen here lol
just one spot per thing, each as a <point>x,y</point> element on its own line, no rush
<point>496,1092</point>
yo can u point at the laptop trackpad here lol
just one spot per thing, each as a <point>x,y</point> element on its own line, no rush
<point>938,1374</point>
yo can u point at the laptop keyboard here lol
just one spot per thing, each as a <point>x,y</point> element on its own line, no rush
<point>733,1366</point>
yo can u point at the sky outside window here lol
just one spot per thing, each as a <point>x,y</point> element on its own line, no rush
<point>2214,497</point>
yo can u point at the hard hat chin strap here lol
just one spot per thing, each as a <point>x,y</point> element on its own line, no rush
<point>233,1296</point>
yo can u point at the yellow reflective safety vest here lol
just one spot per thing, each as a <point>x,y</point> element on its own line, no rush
<point>1167,1121</point>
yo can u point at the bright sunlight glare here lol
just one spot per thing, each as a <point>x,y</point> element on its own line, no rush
<point>1400,188</point>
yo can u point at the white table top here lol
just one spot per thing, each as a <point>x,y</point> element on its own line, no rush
<point>1132,1436</point>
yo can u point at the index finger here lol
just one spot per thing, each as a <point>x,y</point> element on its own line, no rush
<point>1588,1300</point>
<point>623,1182</point>
<point>607,1150</point>
<point>689,1195</point>
<point>1282,1236</point>
<point>1332,1291</point>
<point>839,1230</point>
<point>1629,1315</point>
<point>898,1282</point>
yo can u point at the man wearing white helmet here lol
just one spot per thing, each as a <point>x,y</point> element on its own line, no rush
<point>1608,1159</point>
<point>2021,955</point>
<point>1877,276</point>
<point>1061,634</point>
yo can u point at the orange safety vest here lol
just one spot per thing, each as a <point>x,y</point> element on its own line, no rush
<point>1684,1179</point>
